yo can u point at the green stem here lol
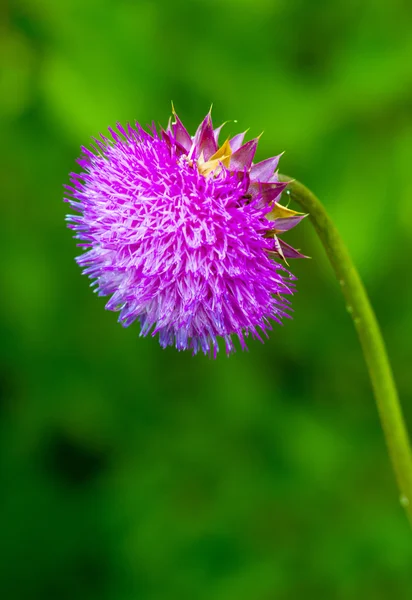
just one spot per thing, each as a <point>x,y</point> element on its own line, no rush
<point>370,337</point>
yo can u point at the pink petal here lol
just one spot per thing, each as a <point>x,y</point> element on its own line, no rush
<point>287,223</point>
<point>268,191</point>
<point>264,170</point>
<point>205,139</point>
<point>289,252</point>
<point>237,141</point>
<point>181,134</point>
<point>217,131</point>
<point>242,158</point>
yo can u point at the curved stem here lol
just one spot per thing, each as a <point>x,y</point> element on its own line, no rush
<point>370,337</point>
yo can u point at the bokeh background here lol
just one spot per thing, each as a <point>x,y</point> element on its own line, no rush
<point>132,473</point>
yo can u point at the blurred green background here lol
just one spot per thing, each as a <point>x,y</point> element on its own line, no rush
<point>128,472</point>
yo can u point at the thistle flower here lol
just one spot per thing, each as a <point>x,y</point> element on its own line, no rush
<point>182,233</point>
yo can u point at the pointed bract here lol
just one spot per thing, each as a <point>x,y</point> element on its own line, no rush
<point>269,192</point>
<point>217,131</point>
<point>281,212</point>
<point>181,134</point>
<point>264,170</point>
<point>285,224</point>
<point>204,141</point>
<point>237,141</point>
<point>286,251</point>
<point>242,158</point>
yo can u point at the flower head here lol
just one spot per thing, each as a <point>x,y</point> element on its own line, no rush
<point>182,233</point>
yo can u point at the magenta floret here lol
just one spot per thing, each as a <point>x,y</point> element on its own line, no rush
<point>180,238</point>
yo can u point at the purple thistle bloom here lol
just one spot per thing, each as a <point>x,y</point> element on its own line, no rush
<point>181,232</point>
